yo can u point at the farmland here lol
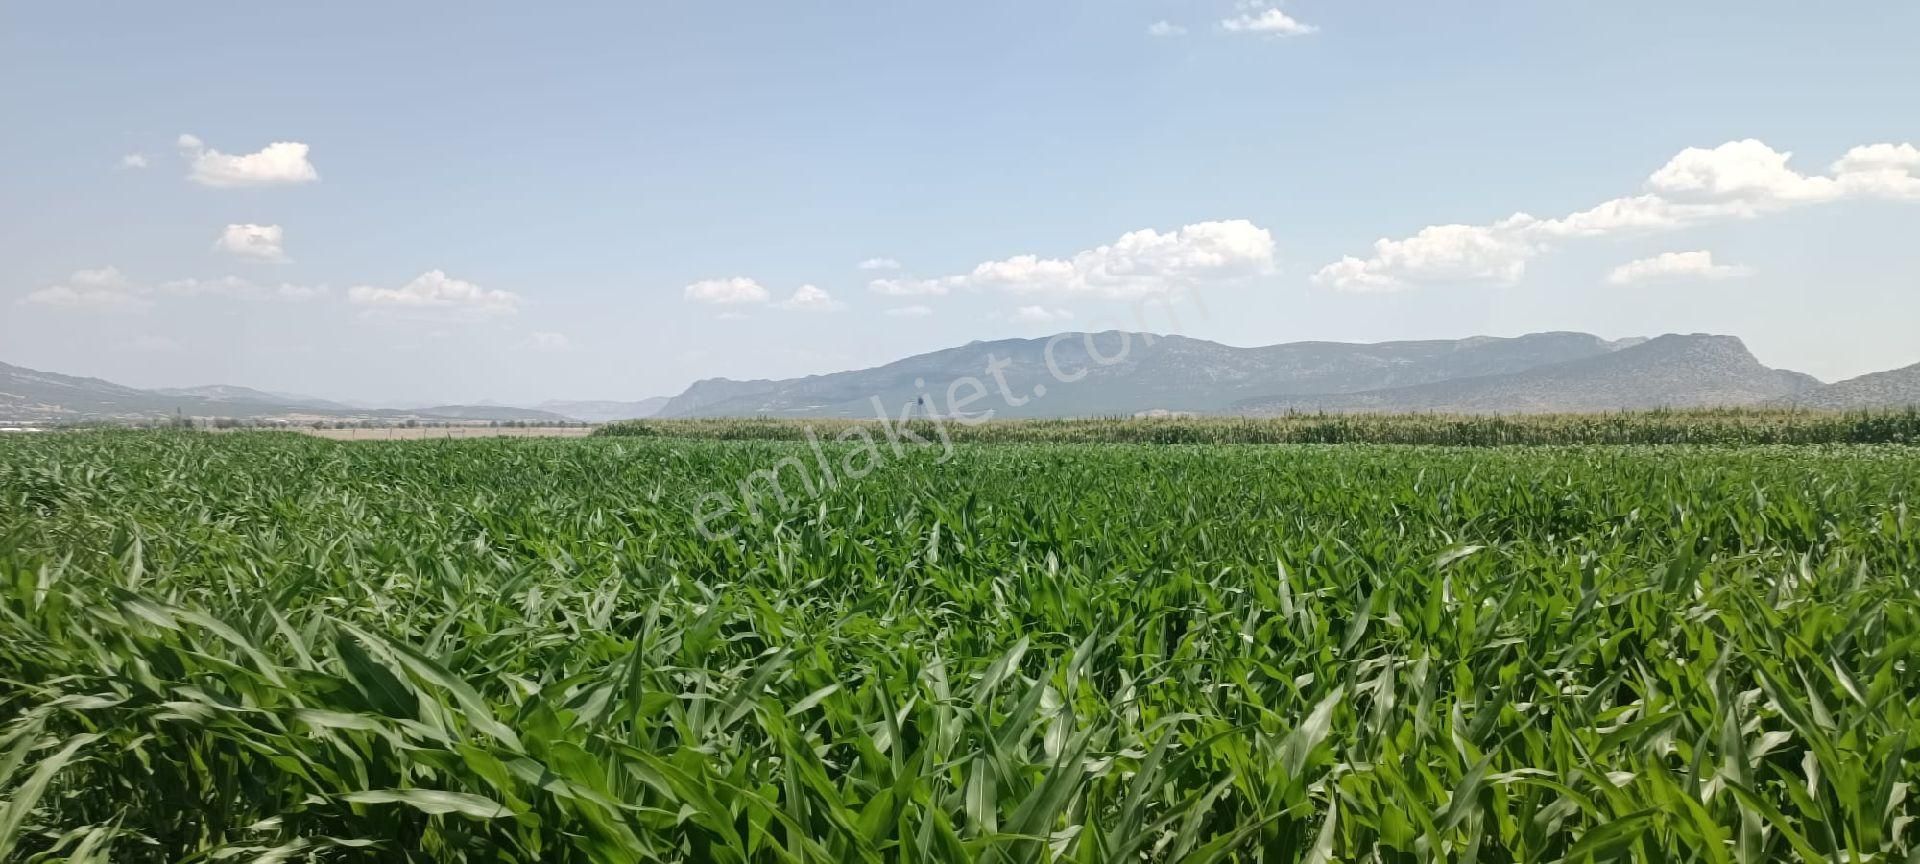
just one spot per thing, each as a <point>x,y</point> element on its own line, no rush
<point>455,432</point>
<point>277,647</point>
<point>1715,426</point>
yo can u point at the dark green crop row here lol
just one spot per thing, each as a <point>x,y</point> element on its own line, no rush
<point>1720,427</point>
<point>271,647</point>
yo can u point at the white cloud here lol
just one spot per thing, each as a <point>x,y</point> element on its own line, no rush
<point>288,291</point>
<point>727,292</point>
<point>742,291</point>
<point>1040,315</point>
<point>104,289</point>
<point>547,342</point>
<point>1439,253</point>
<point>108,288</point>
<point>909,312</point>
<point>133,161</point>
<point>253,241</point>
<point>1140,263</point>
<point>278,164</point>
<point>1880,171</point>
<point>1879,157</point>
<point>232,287</point>
<point>1674,265</point>
<point>1165,29</point>
<point>1747,171</point>
<point>810,298</point>
<point>434,290</point>
<point>76,297</point>
<point>878,264</point>
<point>237,288</point>
<point>1736,180</point>
<point>915,287</point>
<point>1268,22</point>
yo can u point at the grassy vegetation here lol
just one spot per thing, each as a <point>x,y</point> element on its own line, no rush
<point>274,647</point>
<point>1718,426</point>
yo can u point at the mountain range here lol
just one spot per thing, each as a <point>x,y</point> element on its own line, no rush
<point>1112,373</point>
<point>1168,373</point>
<point>1666,372</point>
<point>1535,373</point>
<point>34,396</point>
<point>1879,389</point>
<point>603,411</point>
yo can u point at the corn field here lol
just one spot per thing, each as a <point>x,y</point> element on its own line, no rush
<point>1727,426</point>
<point>269,647</point>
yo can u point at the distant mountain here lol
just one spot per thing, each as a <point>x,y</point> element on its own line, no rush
<point>714,397</point>
<point>33,395</point>
<point>489,412</point>
<point>1899,388</point>
<point>1166,373</point>
<point>605,412</point>
<point>29,394</point>
<point>1672,371</point>
<point>1111,374</point>
<point>231,393</point>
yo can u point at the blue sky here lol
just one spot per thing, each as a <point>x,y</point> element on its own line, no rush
<point>508,202</point>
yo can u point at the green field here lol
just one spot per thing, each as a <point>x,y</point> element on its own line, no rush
<point>272,647</point>
<point>1719,427</point>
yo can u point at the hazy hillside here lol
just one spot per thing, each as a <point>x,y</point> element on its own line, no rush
<point>605,411</point>
<point>1898,388</point>
<point>235,394</point>
<point>1540,372</point>
<point>33,395</point>
<point>1673,371</point>
<point>1172,373</point>
<point>490,412</point>
<point>29,394</point>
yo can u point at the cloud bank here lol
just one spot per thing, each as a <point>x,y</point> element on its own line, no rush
<point>282,163</point>
<point>435,291</point>
<point>1674,265</point>
<point>262,242</point>
<point>1736,180</point>
<point>1139,264</point>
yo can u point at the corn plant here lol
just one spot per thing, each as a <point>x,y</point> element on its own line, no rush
<point>1715,426</point>
<point>271,647</point>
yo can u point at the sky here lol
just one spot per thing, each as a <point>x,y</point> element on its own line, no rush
<point>437,202</point>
